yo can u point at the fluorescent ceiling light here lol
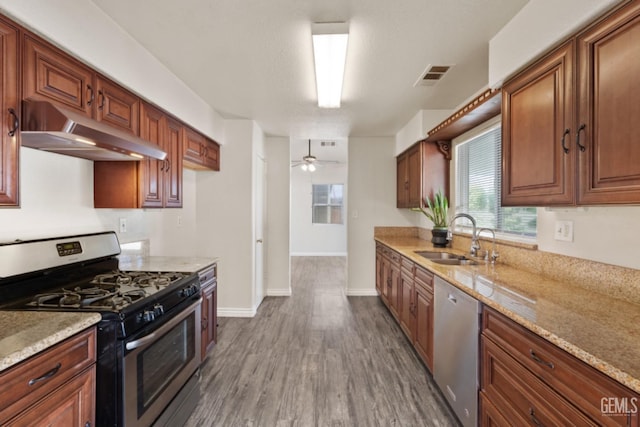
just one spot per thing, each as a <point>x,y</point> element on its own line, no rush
<point>330,54</point>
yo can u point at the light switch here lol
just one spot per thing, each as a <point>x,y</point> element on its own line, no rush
<point>564,231</point>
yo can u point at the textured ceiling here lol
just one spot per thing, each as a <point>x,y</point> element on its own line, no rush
<point>253,58</point>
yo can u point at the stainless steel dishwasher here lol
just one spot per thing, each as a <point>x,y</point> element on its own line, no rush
<point>455,356</point>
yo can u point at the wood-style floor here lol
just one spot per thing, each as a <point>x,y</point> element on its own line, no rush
<point>317,358</point>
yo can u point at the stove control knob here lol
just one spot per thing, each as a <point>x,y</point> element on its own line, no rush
<point>148,316</point>
<point>158,310</point>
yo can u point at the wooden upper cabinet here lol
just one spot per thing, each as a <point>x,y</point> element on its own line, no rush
<point>609,109</point>
<point>174,139</point>
<point>200,152</point>
<point>148,183</point>
<point>117,106</point>
<point>52,75</point>
<point>537,117</point>
<point>570,121</point>
<point>422,170</point>
<point>10,110</point>
<point>152,170</point>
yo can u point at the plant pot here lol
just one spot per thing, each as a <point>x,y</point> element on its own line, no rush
<point>439,237</point>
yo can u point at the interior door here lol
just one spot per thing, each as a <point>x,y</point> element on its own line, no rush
<point>260,211</point>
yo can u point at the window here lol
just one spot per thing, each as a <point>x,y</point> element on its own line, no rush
<point>478,186</point>
<point>327,204</point>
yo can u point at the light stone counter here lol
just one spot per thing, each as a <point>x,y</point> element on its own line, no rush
<point>600,330</point>
<point>164,263</point>
<point>25,333</point>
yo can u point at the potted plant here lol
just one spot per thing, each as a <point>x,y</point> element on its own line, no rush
<point>437,212</point>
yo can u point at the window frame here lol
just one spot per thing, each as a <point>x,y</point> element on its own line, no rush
<point>465,226</point>
<point>328,204</point>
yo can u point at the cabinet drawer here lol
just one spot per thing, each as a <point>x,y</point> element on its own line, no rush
<point>70,405</point>
<point>578,382</point>
<point>38,376</point>
<point>407,265</point>
<point>394,257</point>
<point>521,396</point>
<point>425,278</point>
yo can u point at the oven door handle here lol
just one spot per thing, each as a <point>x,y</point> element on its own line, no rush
<point>140,342</point>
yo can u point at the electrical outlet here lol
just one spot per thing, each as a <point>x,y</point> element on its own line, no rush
<point>123,225</point>
<point>564,231</point>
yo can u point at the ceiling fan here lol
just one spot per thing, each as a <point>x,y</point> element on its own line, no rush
<point>311,162</point>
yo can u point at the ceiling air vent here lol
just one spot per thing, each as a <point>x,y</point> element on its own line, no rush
<point>432,75</point>
<point>327,143</point>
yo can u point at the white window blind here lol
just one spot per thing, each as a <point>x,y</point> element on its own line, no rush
<point>478,184</point>
<point>327,204</point>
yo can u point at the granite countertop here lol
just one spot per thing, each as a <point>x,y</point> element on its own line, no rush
<point>165,263</point>
<point>600,330</point>
<point>25,333</point>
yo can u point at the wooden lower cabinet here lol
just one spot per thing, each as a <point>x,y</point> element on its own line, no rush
<point>407,290</point>
<point>423,313</point>
<point>209,315</point>
<point>70,405</point>
<point>530,380</point>
<point>54,388</point>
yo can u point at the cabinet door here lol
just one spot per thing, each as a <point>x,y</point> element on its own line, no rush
<point>194,144</point>
<point>414,177</point>
<point>424,323</point>
<point>211,155</point>
<point>402,181</point>
<point>71,405</point>
<point>173,166</point>
<point>209,319</point>
<point>394,276</point>
<point>10,110</point>
<point>379,270</point>
<point>52,75</point>
<point>151,182</point>
<point>117,107</point>
<point>609,108</point>
<point>537,108</point>
<point>407,322</point>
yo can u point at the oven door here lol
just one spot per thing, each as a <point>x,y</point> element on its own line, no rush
<point>158,364</point>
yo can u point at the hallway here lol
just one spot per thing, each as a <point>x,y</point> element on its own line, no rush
<point>317,358</point>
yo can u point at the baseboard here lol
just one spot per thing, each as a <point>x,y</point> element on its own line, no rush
<point>236,312</point>
<point>361,293</point>
<point>284,292</point>
<point>318,254</point>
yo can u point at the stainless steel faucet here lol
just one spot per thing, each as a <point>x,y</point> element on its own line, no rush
<point>474,237</point>
<point>494,253</point>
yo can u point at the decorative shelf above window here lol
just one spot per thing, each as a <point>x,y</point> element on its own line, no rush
<point>480,109</point>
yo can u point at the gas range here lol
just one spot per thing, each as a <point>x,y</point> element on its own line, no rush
<point>150,320</point>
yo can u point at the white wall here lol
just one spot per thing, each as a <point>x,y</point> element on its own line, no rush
<point>224,214</point>
<point>417,128</point>
<point>277,227</point>
<point>372,201</point>
<point>81,28</point>
<point>539,25</point>
<point>308,239</point>
<point>56,194</point>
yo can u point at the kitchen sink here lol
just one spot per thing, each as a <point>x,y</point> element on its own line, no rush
<point>431,255</point>
<point>455,261</point>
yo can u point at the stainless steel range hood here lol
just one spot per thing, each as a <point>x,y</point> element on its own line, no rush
<point>59,130</point>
